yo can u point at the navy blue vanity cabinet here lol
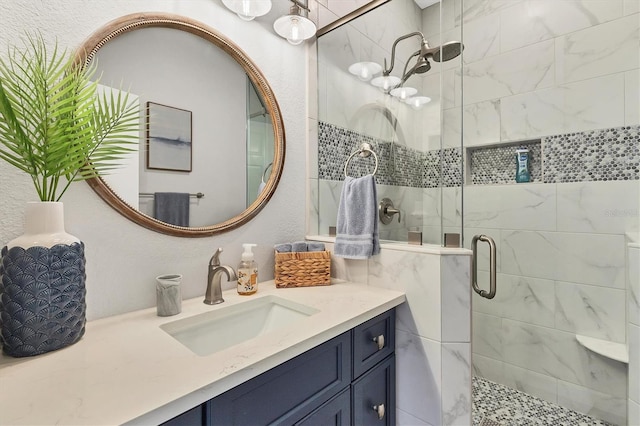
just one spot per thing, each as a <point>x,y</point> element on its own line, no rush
<point>335,412</point>
<point>374,395</point>
<point>348,380</point>
<point>290,391</point>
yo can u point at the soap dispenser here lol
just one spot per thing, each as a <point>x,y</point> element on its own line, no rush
<point>247,272</point>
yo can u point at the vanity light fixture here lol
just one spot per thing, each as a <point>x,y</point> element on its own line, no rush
<point>248,9</point>
<point>295,26</point>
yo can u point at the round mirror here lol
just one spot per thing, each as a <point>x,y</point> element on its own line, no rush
<point>212,143</point>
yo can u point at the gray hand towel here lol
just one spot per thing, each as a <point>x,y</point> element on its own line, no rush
<point>171,207</point>
<point>315,246</point>
<point>283,248</point>
<point>357,222</point>
<point>299,246</point>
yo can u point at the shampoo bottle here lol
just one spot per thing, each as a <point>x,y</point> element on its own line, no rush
<point>522,166</point>
<point>247,272</point>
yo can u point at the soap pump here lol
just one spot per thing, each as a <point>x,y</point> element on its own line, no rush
<point>247,272</point>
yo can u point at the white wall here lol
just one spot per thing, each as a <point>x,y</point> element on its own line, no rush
<point>123,258</point>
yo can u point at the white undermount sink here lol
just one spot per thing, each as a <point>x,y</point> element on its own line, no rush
<point>222,328</point>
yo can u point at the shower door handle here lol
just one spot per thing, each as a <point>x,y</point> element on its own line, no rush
<point>492,266</point>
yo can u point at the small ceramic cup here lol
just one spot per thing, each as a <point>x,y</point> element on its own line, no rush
<point>168,294</point>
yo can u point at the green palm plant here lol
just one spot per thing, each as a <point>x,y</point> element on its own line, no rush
<point>54,123</point>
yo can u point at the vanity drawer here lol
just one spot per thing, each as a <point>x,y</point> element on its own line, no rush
<point>373,341</point>
<point>335,412</point>
<point>374,395</point>
<point>290,391</point>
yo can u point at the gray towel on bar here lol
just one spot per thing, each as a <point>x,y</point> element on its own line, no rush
<point>357,222</point>
<point>171,207</point>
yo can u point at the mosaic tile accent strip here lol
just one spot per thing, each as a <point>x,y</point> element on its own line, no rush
<point>497,164</point>
<point>598,155</point>
<point>509,407</point>
<point>398,164</point>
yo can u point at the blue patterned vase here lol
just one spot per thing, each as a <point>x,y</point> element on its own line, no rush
<point>42,285</point>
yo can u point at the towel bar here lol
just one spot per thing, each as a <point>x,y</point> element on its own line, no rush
<point>365,150</point>
<point>150,194</point>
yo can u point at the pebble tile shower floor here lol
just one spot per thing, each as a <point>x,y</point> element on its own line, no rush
<point>498,405</point>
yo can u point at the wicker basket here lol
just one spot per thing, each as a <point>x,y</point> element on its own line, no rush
<point>303,269</point>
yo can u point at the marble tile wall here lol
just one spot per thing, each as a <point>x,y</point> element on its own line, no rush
<point>565,73</point>
<point>633,332</point>
<point>433,330</point>
<point>562,243</point>
<point>562,269</point>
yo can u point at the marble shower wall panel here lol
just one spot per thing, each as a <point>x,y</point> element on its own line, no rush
<point>419,277</point>
<point>590,310</point>
<point>482,38</point>
<point>523,206</point>
<point>419,370</point>
<point>604,49</point>
<point>433,347</point>
<point>633,331</point>
<point>595,259</point>
<point>633,307</point>
<point>599,207</point>
<point>487,336</point>
<point>596,404</point>
<point>631,6</point>
<point>558,354</point>
<point>536,384</point>
<point>531,22</point>
<point>525,299</point>
<point>516,72</point>
<point>455,298</point>
<point>456,382</point>
<point>585,105</point>
<point>632,97</point>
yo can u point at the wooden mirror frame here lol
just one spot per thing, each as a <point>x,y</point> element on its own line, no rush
<point>85,54</point>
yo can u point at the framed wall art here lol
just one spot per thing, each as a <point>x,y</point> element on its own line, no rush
<point>168,138</point>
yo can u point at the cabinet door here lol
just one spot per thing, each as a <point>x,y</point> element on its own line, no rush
<point>373,341</point>
<point>374,396</point>
<point>290,391</point>
<point>335,412</point>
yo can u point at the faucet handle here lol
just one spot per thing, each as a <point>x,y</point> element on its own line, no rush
<point>215,259</point>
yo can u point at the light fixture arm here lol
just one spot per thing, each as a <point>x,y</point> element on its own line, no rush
<point>393,49</point>
<point>300,5</point>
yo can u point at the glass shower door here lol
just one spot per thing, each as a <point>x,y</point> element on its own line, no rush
<point>534,79</point>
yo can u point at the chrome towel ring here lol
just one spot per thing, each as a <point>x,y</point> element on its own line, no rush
<point>364,151</point>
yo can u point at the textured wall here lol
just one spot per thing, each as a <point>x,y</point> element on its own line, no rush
<point>123,258</point>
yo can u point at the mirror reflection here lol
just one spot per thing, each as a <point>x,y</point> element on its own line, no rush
<point>211,140</point>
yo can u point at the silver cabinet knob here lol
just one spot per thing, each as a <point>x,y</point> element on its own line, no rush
<point>380,341</point>
<point>379,409</point>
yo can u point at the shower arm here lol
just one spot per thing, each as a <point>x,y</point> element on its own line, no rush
<point>393,51</point>
<point>405,74</point>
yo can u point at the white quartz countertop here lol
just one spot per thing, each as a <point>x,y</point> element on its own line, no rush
<point>126,369</point>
